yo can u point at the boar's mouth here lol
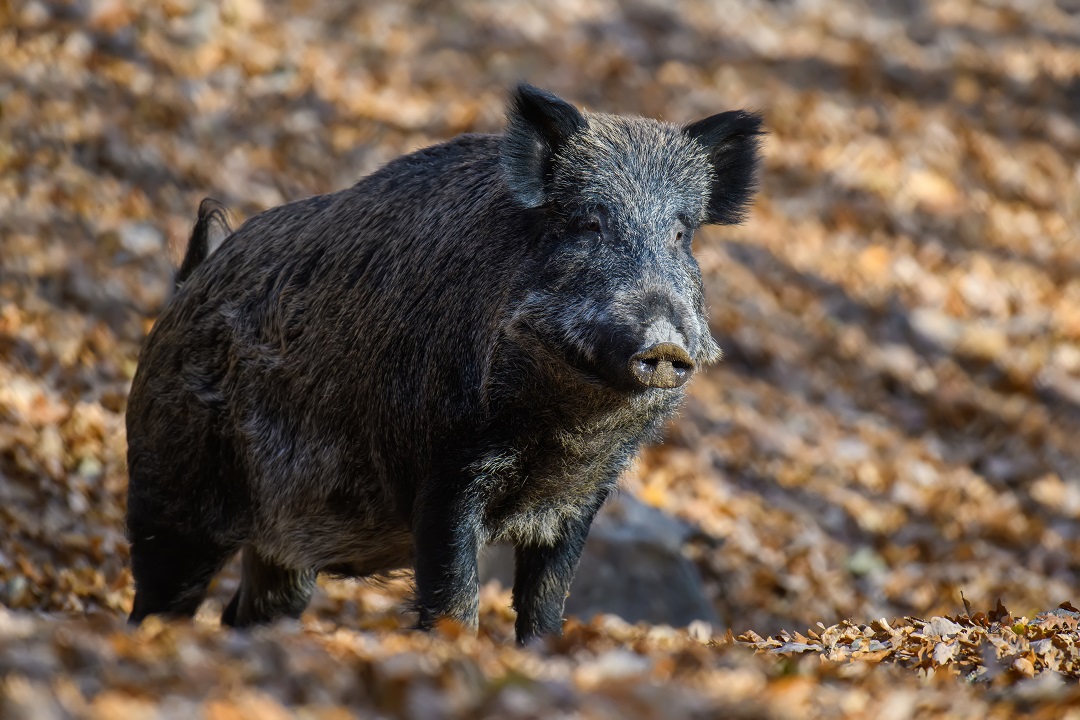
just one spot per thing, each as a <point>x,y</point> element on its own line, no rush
<point>620,365</point>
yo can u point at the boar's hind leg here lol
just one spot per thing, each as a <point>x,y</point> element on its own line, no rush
<point>172,573</point>
<point>268,591</point>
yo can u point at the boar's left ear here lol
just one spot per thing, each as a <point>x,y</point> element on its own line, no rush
<point>538,124</point>
<point>732,140</point>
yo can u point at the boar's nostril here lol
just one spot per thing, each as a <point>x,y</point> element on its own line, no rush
<point>663,365</point>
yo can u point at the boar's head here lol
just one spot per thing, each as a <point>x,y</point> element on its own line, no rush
<point>616,291</point>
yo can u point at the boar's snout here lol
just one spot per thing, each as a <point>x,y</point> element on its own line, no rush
<point>663,365</point>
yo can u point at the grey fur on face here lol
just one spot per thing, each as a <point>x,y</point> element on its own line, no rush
<point>468,345</point>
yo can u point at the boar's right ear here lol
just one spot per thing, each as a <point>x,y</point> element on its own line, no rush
<point>732,140</point>
<point>538,124</point>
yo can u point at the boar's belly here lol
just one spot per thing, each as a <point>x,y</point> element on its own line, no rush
<point>348,541</point>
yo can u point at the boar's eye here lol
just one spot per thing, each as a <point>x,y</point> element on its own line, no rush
<point>592,223</point>
<point>682,235</point>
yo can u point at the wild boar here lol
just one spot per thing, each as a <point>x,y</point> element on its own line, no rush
<point>468,345</point>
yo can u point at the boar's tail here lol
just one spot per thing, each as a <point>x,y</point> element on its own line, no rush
<point>211,212</point>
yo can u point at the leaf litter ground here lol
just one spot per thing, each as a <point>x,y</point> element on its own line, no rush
<point>889,445</point>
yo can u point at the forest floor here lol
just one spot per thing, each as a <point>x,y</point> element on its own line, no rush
<point>884,472</point>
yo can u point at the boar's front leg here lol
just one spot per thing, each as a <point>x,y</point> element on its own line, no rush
<point>446,534</point>
<point>543,573</point>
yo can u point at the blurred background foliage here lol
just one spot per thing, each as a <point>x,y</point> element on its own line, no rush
<point>898,415</point>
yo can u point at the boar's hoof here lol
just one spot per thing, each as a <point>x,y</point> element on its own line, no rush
<point>663,365</point>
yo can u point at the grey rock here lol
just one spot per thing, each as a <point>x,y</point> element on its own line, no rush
<point>633,566</point>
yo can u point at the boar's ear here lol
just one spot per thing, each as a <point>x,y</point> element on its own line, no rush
<point>732,140</point>
<point>538,124</point>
